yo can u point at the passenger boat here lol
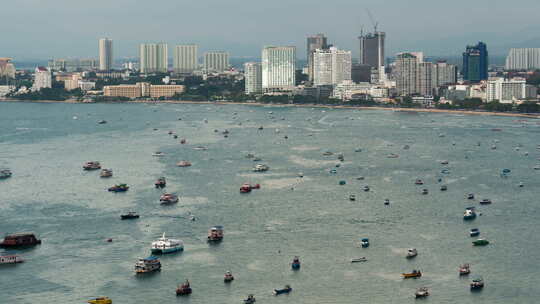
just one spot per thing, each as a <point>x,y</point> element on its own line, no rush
<point>250,299</point>
<point>129,216</point>
<point>183,163</point>
<point>10,259</point>
<point>119,188</point>
<point>183,289</point>
<point>106,173</point>
<point>100,300</point>
<point>286,289</point>
<point>464,269</point>
<point>295,265</point>
<point>148,264</point>
<point>414,274</point>
<point>23,239</point>
<point>474,232</point>
<point>470,214</point>
<point>419,182</point>
<point>228,277</point>
<point>425,191</point>
<point>352,197</point>
<point>477,284</point>
<point>158,154</point>
<point>215,234</point>
<point>5,173</point>
<point>168,198</point>
<point>260,168</point>
<point>411,253</point>
<point>485,201</point>
<point>470,196</point>
<point>421,292</point>
<point>161,182</point>
<point>480,242</point>
<point>92,165</point>
<point>364,242</point>
<point>366,188</point>
<point>358,260</point>
<point>444,188</point>
<point>164,245</point>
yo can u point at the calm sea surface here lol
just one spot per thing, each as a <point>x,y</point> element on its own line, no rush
<point>71,211</point>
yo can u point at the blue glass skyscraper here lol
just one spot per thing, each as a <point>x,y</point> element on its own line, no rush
<point>475,62</point>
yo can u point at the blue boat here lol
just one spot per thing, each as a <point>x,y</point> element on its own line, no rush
<point>342,182</point>
<point>474,232</point>
<point>365,242</point>
<point>295,265</point>
<point>287,289</point>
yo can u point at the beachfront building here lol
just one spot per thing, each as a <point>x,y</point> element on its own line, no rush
<point>105,54</point>
<point>42,79</point>
<point>508,90</point>
<point>405,71</point>
<point>185,58</point>
<point>523,59</point>
<point>143,89</point>
<point>331,67</point>
<point>278,68</point>
<point>253,78</point>
<point>153,58</point>
<point>216,62</point>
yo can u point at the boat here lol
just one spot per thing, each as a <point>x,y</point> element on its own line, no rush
<point>161,182</point>
<point>10,259</point>
<point>392,155</point>
<point>485,201</point>
<point>444,162</point>
<point>406,147</point>
<point>474,232</point>
<point>414,274</point>
<point>92,165</point>
<point>425,191</point>
<point>261,168</point>
<point>119,188</point>
<point>257,159</point>
<point>445,171</point>
<point>360,178</point>
<point>129,216</point>
<point>245,188</point>
<point>165,245</point>
<point>183,289</point>
<point>200,148</point>
<point>183,163</point>
<point>444,188</point>
<point>261,127</point>
<point>366,188</point>
<point>480,242</point>
<point>295,265</point>
<point>250,155</point>
<point>23,239</point>
<point>148,264</point>
<point>101,122</point>
<point>521,184</point>
<point>333,171</point>
<point>358,150</point>
<point>228,277</point>
<point>352,197</point>
<point>5,173</point>
<point>470,214</point>
<point>328,153</point>
<point>286,289</point>
<point>250,299</point>
<point>364,242</point>
<point>342,182</point>
<point>421,292</point>
<point>100,300</point>
<point>341,157</point>
<point>105,173</point>
<point>477,283</point>
<point>464,269</point>
<point>158,154</point>
<point>470,196</point>
<point>386,201</point>
<point>419,182</point>
<point>215,234</point>
<point>411,253</point>
<point>168,198</point>
<point>358,260</point>
<point>183,141</point>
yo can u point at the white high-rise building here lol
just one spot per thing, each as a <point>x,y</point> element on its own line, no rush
<point>105,54</point>
<point>185,58</point>
<point>278,68</point>
<point>507,90</point>
<point>443,74</point>
<point>406,70</point>
<point>216,62</point>
<point>253,77</point>
<point>42,79</point>
<point>331,67</point>
<point>523,59</point>
<point>153,58</point>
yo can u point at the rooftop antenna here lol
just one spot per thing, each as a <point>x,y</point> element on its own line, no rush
<point>373,22</point>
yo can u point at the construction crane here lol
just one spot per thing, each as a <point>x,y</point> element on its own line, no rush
<point>373,22</point>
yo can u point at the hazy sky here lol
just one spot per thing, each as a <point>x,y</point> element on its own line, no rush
<point>42,29</point>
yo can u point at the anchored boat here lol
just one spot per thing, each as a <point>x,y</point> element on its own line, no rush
<point>92,165</point>
<point>295,265</point>
<point>148,264</point>
<point>414,274</point>
<point>183,289</point>
<point>164,245</point>
<point>100,300</point>
<point>10,259</point>
<point>23,239</point>
<point>286,289</point>
<point>215,234</point>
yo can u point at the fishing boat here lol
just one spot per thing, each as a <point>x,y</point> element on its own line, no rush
<point>119,188</point>
<point>100,300</point>
<point>419,182</point>
<point>366,188</point>
<point>364,242</point>
<point>470,214</point>
<point>92,165</point>
<point>158,154</point>
<point>464,269</point>
<point>250,299</point>
<point>474,232</point>
<point>295,265</point>
<point>228,277</point>
<point>480,242</point>
<point>165,245</point>
<point>411,253</point>
<point>444,188</point>
<point>286,289</point>
<point>352,197</point>
<point>485,201</point>
<point>5,173</point>
<point>421,292</point>
<point>425,191</point>
<point>149,264</point>
<point>183,289</point>
<point>477,284</point>
<point>414,274</point>
<point>215,234</point>
<point>106,173</point>
<point>183,163</point>
<point>470,196</point>
<point>261,168</point>
<point>129,216</point>
<point>168,198</point>
<point>10,259</point>
<point>23,239</point>
<point>161,182</point>
<point>358,260</point>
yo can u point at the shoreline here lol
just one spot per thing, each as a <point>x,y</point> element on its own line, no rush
<point>396,109</point>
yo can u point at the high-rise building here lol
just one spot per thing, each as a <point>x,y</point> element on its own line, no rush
<point>7,69</point>
<point>185,59</point>
<point>153,58</point>
<point>316,42</point>
<point>443,74</point>
<point>372,49</point>
<point>331,67</point>
<point>475,62</point>
<point>278,68</point>
<point>360,73</point>
<point>73,65</point>
<point>406,70</point>
<point>42,79</point>
<point>216,62</point>
<point>105,54</point>
<point>507,90</point>
<point>424,78</point>
<point>523,59</point>
<point>253,77</point>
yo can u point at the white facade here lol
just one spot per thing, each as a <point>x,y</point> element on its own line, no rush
<point>42,79</point>
<point>185,59</point>
<point>406,70</point>
<point>253,77</point>
<point>331,67</point>
<point>105,54</point>
<point>523,59</point>
<point>443,74</point>
<point>506,90</point>
<point>278,68</point>
<point>153,58</point>
<point>216,62</point>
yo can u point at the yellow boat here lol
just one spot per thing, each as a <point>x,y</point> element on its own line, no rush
<point>100,300</point>
<point>413,274</point>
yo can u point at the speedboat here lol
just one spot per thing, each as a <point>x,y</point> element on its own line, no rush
<point>392,155</point>
<point>328,153</point>
<point>358,260</point>
<point>101,122</point>
<point>165,245</point>
<point>342,182</point>
<point>411,253</point>
<point>295,265</point>
<point>92,165</point>
<point>425,191</point>
<point>366,188</point>
<point>477,283</point>
<point>148,264</point>
<point>183,289</point>
<point>419,182</point>
<point>364,242</point>
<point>168,198</point>
<point>215,234</point>
<point>421,292</point>
<point>521,184</point>
<point>119,188</point>
<point>183,141</point>
<point>470,196</point>
<point>464,269</point>
<point>250,299</point>
<point>474,232</point>
<point>386,201</point>
<point>352,197</point>
<point>106,173</point>
<point>444,162</point>
<point>333,171</point>
<point>129,216</point>
<point>158,154</point>
<point>260,168</point>
<point>414,274</point>
<point>5,173</point>
<point>286,289</point>
<point>228,277</point>
<point>470,214</point>
<point>183,163</point>
<point>444,188</point>
<point>480,242</point>
<point>10,259</point>
<point>200,148</point>
<point>485,201</point>
<point>161,182</point>
<point>100,300</point>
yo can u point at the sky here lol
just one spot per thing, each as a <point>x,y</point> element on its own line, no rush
<point>44,29</point>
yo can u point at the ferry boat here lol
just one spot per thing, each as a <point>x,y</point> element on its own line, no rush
<point>419,182</point>
<point>5,173</point>
<point>477,284</point>
<point>184,289</point>
<point>286,289</point>
<point>470,214</point>
<point>295,265</point>
<point>20,240</point>
<point>168,198</point>
<point>183,163</point>
<point>411,253</point>
<point>414,274</point>
<point>364,242</point>
<point>92,165</point>
<point>261,168</point>
<point>130,215</point>
<point>161,182</point>
<point>164,245</point>
<point>485,201</point>
<point>480,242</point>
<point>358,260</point>
<point>119,188</point>
<point>10,259</point>
<point>464,269</point>
<point>250,299</point>
<point>148,264</point>
<point>100,300</point>
<point>421,292</point>
<point>474,232</point>
<point>106,173</point>
<point>215,234</point>
<point>228,277</point>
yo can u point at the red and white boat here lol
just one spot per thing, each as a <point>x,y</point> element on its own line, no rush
<point>246,187</point>
<point>183,163</point>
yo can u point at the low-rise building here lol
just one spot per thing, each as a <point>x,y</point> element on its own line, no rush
<point>7,69</point>
<point>143,89</point>
<point>507,90</point>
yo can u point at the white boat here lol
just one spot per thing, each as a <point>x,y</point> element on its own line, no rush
<point>411,253</point>
<point>10,259</point>
<point>261,168</point>
<point>358,260</point>
<point>165,245</point>
<point>158,154</point>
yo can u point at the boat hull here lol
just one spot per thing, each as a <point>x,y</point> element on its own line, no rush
<point>166,250</point>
